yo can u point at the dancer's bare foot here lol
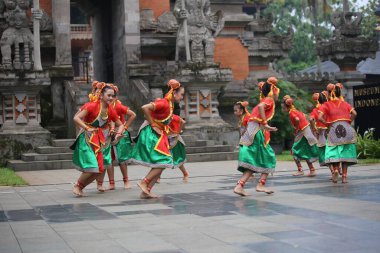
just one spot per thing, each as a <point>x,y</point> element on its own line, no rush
<point>262,188</point>
<point>154,196</point>
<point>335,177</point>
<point>239,190</point>
<point>143,195</point>
<point>143,184</point>
<point>101,188</point>
<point>112,185</point>
<point>185,178</point>
<point>158,180</point>
<point>344,179</point>
<point>298,173</point>
<point>77,191</point>
<point>127,185</point>
<point>312,174</point>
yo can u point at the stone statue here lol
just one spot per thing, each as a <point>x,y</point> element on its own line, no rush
<point>202,27</point>
<point>17,36</point>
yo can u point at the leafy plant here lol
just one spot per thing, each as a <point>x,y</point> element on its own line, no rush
<point>367,146</point>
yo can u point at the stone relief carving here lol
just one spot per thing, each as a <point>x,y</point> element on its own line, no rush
<point>202,27</point>
<point>147,21</point>
<point>45,23</point>
<point>347,40</point>
<point>167,23</point>
<point>17,38</point>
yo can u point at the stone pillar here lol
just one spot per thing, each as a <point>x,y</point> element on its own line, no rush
<point>132,31</point>
<point>347,48</point>
<point>349,80</point>
<point>20,109</point>
<point>201,103</point>
<point>61,28</point>
<point>201,94</point>
<point>118,44</point>
<point>63,59</point>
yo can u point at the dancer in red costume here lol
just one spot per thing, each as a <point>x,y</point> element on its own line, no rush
<point>94,118</point>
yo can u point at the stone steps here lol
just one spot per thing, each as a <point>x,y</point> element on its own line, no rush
<point>59,155</point>
<point>53,150</point>
<point>62,142</point>
<point>19,165</point>
<point>209,149</point>
<point>28,157</point>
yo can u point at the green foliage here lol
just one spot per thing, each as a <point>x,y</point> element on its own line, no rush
<point>284,156</point>
<point>367,146</point>
<point>310,20</point>
<point>302,102</point>
<point>369,18</point>
<point>10,178</point>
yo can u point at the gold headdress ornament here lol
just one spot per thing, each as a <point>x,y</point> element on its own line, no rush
<point>340,85</point>
<point>326,94</point>
<point>288,101</point>
<point>92,96</point>
<point>114,87</point>
<point>331,88</point>
<point>173,84</point>
<point>315,97</point>
<point>99,86</point>
<point>261,84</point>
<point>245,105</point>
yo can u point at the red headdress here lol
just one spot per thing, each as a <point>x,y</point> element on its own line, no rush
<point>288,101</point>
<point>173,84</point>
<point>245,105</point>
<point>274,90</point>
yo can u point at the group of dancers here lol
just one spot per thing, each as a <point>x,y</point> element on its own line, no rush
<point>103,138</point>
<point>327,136</point>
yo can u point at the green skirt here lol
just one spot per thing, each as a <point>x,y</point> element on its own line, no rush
<point>84,157</point>
<point>144,153</point>
<point>303,151</point>
<point>322,158</point>
<point>123,149</point>
<point>341,153</point>
<point>257,157</point>
<point>179,154</point>
<point>107,158</point>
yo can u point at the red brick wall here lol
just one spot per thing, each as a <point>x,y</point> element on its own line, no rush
<point>232,54</point>
<point>46,6</point>
<point>158,6</point>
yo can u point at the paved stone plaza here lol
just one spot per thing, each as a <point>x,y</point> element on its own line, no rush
<point>304,215</point>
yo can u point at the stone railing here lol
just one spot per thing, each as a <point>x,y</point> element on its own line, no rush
<point>81,31</point>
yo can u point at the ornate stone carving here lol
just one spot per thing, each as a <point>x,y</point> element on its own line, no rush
<point>202,27</point>
<point>17,35</point>
<point>45,22</point>
<point>20,100</point>
<point>347,41</point>
<point>167,23</point>
<point>147,21</point>
<point>347,23</point>
<point>265,44</point>
<point>261,24</point>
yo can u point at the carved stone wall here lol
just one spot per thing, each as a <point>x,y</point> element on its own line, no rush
<point>16,36</point>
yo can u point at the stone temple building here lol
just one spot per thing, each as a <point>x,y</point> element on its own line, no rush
<point>51,51</point>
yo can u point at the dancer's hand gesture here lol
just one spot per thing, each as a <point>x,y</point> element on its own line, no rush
<point>90,129</point>
<point>269,128</point>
